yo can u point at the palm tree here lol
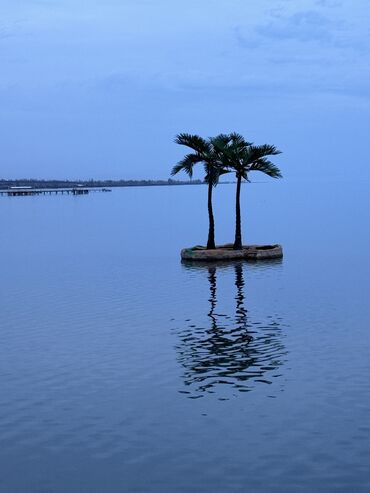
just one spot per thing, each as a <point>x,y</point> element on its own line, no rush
<point>206,153</point>
<point>243,157</point>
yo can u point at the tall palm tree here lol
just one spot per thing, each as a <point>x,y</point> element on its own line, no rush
<point>242,157</point>
<point>203,152</point>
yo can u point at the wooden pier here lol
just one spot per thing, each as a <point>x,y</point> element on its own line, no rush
<point>24,192</point>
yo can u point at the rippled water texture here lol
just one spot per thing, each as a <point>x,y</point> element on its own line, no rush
<point>124,370</point>
<point>228,352</point>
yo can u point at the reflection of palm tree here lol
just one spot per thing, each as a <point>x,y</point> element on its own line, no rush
<point>232,352</point>
<point>212,299</point>
<point>241,312</point>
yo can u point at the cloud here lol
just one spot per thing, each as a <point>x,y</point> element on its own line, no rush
<point>6,31</point>
<point>303,26</point>
<point>329,3</point>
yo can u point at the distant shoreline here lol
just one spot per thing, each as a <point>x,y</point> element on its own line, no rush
<point>40,184</point>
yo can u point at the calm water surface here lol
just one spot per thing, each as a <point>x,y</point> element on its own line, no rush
<point>123,370</point>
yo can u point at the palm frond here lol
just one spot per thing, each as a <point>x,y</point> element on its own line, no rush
<point>223,171</point>
<point>266,167</point>
<point>193,141</point>
<point>186,164</point>
<point>264,150</point>
<point>244,174</point>
<point>223,151</point>
<point>220,140</point>
<point>213,173</point>
<point>238,140</point>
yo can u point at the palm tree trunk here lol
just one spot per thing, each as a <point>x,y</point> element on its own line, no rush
<point>211,232</point>
<point>238,226</point>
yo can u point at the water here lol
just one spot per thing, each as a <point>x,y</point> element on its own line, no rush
<point>123,370</point>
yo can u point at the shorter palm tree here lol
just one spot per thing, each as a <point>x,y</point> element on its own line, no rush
<point>203,152</point>
<point>242,157</point>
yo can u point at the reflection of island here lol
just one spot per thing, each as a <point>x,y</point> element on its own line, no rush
<point>231,353</point>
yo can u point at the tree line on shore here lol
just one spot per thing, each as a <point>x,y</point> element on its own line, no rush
<point>225,153</point>
<point>36,183</point>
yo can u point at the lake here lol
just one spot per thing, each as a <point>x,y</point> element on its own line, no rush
<point>124,370</point>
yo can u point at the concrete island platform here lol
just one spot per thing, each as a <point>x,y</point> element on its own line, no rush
<point>226,252</point>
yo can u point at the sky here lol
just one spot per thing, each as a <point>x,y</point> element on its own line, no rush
<point>99,88</point>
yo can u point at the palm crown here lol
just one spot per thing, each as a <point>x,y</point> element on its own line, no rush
<point>204,152</point>
<point>242,156</point>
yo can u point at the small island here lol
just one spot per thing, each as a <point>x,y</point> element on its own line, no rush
<point>227,252</point>
<point>227,153</point>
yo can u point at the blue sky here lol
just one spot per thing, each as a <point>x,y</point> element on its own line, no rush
<point>99,88</point>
